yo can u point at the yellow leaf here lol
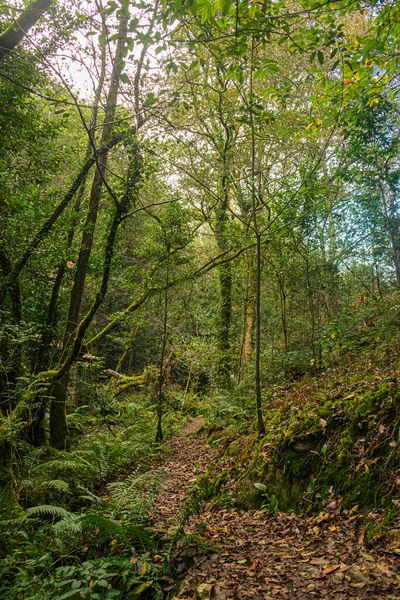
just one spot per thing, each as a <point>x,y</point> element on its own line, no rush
<point>374,101</point>
<point>140,588</point>
<point>309,126</point>
<point>356,76</point>
<point>318,122</point>
<point>355,507</point>
<point>143,570</point>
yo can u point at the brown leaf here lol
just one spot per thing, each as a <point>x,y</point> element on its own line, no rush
<point>330,569</point>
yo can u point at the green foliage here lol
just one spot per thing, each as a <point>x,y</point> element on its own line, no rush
<point>97,525</point>
<point>260,118</point>
<point>270,502</point>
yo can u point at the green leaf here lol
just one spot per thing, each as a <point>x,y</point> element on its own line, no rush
<point>225,6</point>
<point>150,99</point>
<point>117,36</point>
<point>320,57</point>
<point>133,25</point>
<point>261,487</point>
<point>124,78</point>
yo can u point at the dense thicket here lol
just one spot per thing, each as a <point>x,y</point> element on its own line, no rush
<point>198,199</point>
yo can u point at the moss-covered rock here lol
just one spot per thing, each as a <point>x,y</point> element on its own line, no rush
<point>342,444</point>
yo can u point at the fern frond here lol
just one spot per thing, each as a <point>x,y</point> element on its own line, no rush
<point>47,510</point>
<point>85,494</point>
<point>58,485</point>
<point>69,525</point>
<point>110,527</point>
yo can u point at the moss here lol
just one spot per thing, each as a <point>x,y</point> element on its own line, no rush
<point>357,462</point>
<point>211,487</point>
<point>346,442</point>
<point>374,401</point>
<point>378,528</point>
<point>8,499</point>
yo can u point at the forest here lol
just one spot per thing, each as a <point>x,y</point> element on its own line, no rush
<point>199,299</point>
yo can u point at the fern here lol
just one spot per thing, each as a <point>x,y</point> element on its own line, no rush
<point>106,525</point>
<point>134,495</point>
<point>58,485</point>
<point>68,525</point>
<point>65,466</point>
<point>47,510</point>
<point>85,494</point>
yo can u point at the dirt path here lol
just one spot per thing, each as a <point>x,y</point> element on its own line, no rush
<point>189,457</point>
<point>267,557</point>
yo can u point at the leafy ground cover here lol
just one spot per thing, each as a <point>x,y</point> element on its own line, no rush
<point>332,434</point>
<point>228,553</point>
<point>84,531</point>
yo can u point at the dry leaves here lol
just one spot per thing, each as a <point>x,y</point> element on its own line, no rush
<point>284,556</point>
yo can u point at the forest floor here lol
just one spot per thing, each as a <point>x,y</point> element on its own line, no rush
<point>258,555</point>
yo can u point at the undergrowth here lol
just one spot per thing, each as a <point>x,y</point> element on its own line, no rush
<point>331,433</point>
<point>84,528</point>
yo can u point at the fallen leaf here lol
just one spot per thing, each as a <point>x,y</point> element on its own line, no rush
<point>330,569</point>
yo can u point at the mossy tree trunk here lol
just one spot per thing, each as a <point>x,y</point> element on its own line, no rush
<point>159,433</point>
<point>8,498</point>
<point>256,229</point>
<point>249,316</point>
<point>10,353</point>
<point>224,366</point>
<point>58,422</point>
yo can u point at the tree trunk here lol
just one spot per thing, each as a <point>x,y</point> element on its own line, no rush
<point>392,225</point>
<point>224,366</point>
<point>127,350</point>
<point>260,421</point>
<point>282,299</point>
<point>11,37</point>
<point>159,434</point>
<point>10,355</point>
<point>250,316</point>
<point>58,423</point>
<point>43,361</point>
<point>8,498</point>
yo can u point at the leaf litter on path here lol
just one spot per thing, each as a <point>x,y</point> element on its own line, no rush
<point>281,556</point>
